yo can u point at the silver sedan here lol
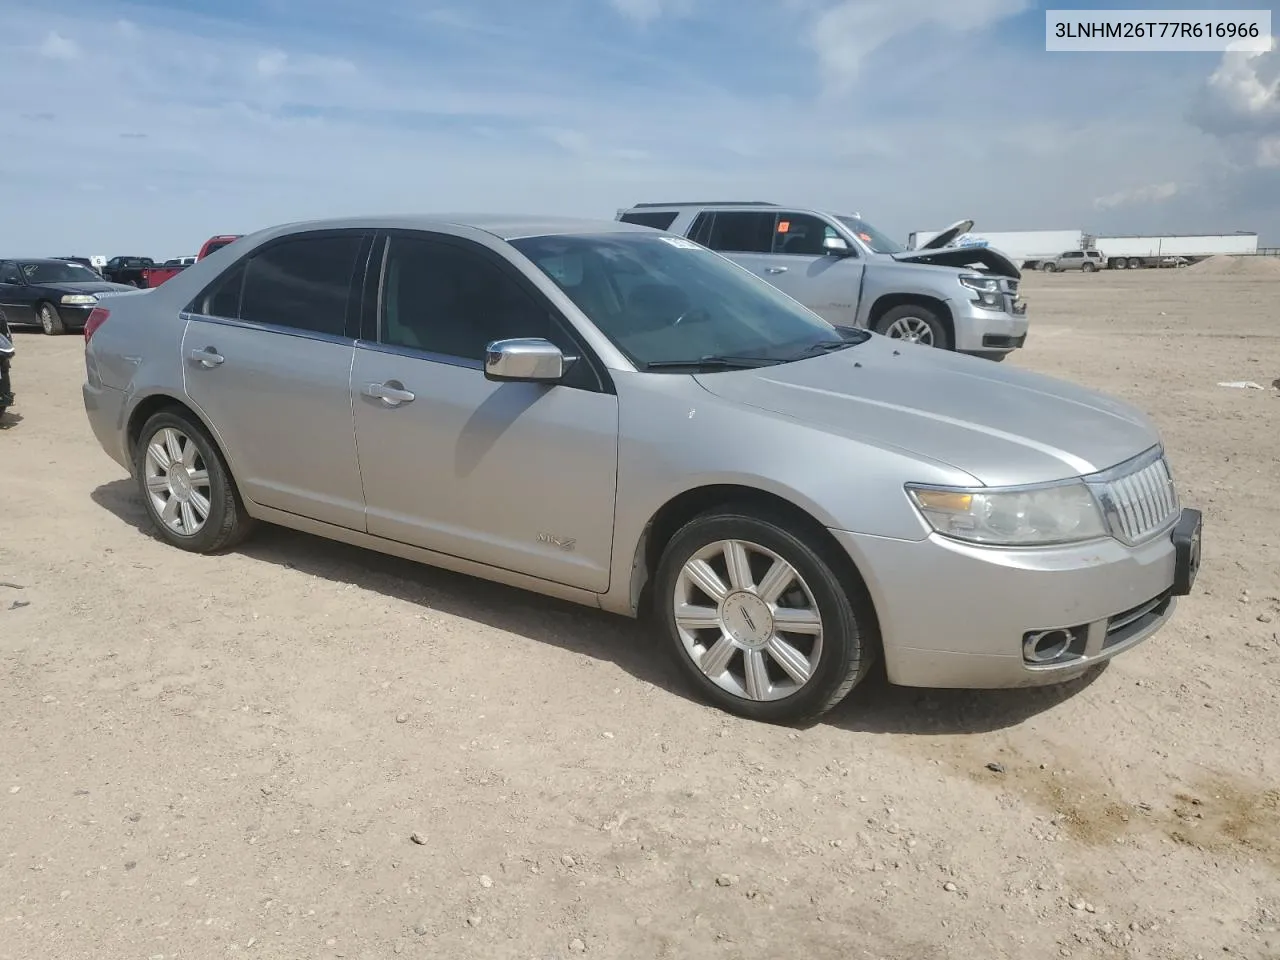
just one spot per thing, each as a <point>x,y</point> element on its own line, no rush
<point>618,416</point>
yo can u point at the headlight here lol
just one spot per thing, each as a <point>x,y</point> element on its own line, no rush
<point>980,283</point>
<point>1027,516</point>
<point>79,299</point>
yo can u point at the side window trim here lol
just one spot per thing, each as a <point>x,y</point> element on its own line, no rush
<point>603,383</point>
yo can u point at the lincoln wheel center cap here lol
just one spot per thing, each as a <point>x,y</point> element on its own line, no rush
<point>180,482</point>
<point>747,619</point>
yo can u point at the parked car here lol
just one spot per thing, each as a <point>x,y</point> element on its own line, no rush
<point>843,268</point>
<point>127,270</point>
<point>620,417</point>
<point>56,295</point>
<point>1088,261</point>
<point>83,261</point>
<point>154,276</point>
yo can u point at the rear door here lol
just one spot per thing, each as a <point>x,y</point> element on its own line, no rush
<point>520,476</point>
<point>267,353</point>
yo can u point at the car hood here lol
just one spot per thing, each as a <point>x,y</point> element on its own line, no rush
<point>968,257</point>
<point>88,286</point>
<point>998,424</point>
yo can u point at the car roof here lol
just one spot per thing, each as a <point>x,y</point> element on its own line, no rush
<point>503,226</point>
<point>59,261</point>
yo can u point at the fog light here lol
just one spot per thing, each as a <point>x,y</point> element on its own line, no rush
<point>1047,646</point>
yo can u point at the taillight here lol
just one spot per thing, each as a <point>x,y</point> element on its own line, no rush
<point>97,317</point>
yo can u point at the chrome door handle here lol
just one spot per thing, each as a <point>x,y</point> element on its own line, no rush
<point>208,357</point>
<point>390,393</point>
<point>775,269</point>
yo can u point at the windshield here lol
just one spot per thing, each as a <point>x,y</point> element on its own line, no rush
<point>666,301</point>
<point>57,273</point>
<point>873,238</point>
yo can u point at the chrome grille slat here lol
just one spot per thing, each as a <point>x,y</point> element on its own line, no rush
<point>1141,502</point>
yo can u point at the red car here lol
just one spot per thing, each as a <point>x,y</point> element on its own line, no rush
<point>154,276</point>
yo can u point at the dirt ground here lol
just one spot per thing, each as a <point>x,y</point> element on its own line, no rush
<point>231,756</point>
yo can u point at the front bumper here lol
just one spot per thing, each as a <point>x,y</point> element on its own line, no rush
<point>957,615</point>
<point>986,331</point>
<point>74,317</point>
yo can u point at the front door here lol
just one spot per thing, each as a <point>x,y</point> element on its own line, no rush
<point>268,359</point>
<point>802,268</point>
<point>15,297</point>
<point>519,476</point>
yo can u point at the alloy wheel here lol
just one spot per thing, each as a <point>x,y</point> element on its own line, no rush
<point>912,330</point>
<point>748,620</point>
<point>177,481</point>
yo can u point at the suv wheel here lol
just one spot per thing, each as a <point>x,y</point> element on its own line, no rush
<point>915,324</point>
<point>185,484</point>
<point>1048,266</point>
<point>1089,266</point>
<point>758,620</point>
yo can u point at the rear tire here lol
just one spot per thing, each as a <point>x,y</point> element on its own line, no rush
<point>731,643</point>
<point>1089,268</point>
<point>1047,267</point>
<point>192,502</point>
<point>915,324</point>
<point>51,320</point>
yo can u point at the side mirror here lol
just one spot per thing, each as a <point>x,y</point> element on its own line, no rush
<point>836,245</point>
<point>524,358</point>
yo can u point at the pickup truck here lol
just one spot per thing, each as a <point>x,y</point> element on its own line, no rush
<point>127,270</point>
<point>154,276</point>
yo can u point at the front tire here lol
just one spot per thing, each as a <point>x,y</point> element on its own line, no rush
<point>915,324</point>
<point>186,486</point>
<point>51,320</point>
<point>758,619</point>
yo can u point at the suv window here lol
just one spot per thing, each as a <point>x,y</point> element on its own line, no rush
<point>660,219</point>
<point>441,296</point>
<point>801,234</point>
<point>742,232</point>
<point>9,273</point>
<point>302,283</point>
<point>1073,255</point>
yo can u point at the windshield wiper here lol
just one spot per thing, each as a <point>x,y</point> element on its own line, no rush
<point>849,337</point>
<point>714,362</point>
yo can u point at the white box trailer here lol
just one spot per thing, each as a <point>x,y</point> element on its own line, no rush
<point>1176,249</point>
<point>1024,247</point>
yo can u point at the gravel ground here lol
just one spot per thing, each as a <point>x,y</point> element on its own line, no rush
<point>305,750</point>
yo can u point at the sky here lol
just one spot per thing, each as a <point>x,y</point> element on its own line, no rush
<point>145,127</point>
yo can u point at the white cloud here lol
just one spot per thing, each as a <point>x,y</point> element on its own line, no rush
<point>58,47</point>
<point>1247,83</point>
<point>849,31</point>
<point>1150,193</point>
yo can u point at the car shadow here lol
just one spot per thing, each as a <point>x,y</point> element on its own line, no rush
<point>875,707</point>
<point>9,420</point>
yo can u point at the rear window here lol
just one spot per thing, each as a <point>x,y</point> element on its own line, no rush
<point>659,219</point>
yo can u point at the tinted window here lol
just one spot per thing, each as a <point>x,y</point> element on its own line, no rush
<point>801,234</point>
<point>222,298</point>
<point>1073,255</point>
<point>9,273</point>
<point>304,284</point>
<point>742,232</point>
<point>701,231</point>
<point>441,297</point>
<point>659,220</point>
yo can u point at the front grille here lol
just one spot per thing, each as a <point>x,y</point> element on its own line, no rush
<point>1138,503</point>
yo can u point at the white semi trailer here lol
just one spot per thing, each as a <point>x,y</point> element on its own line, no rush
<point>1024,247</point>
<point>1132,252</point>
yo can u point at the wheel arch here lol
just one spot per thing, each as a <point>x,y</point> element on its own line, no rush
<point>147,407</point>
<point>888,301</point>
<point>684,506</point>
